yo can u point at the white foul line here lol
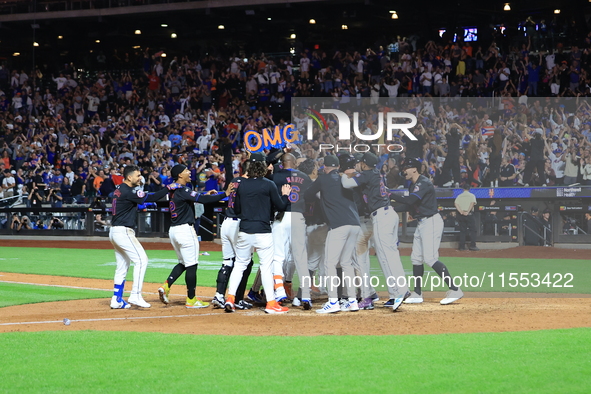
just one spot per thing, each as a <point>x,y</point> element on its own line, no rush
<point>117,318</point>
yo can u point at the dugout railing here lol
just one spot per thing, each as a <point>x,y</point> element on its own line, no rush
<point>501,215</point>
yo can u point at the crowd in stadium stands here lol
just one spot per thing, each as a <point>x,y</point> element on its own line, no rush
<point>65,137</point>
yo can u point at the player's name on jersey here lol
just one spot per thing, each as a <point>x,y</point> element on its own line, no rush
<point>269,138</point>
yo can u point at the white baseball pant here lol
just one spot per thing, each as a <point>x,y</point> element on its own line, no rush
<point>128,249</point>
<point>263,243</point>
<point>385,232</point>
<point>361,261</point>
<point>185,243</point>
<point>316,242</point>
<point>426,241</point>
<point>229,237</point>
<point>340,246</point>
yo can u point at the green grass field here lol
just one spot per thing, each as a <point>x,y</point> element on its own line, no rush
<point>100,264</point>
<point>107,362</point>
<point>552,361</point>
<point>17,294</point>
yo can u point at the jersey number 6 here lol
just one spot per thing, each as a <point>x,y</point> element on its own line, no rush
<point>294,196</point>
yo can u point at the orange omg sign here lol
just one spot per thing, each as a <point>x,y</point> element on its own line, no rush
<point>270,138</point>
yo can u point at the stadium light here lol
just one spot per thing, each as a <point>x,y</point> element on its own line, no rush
<point>173,35</point>
<point>35,44</point>
<point>312,21</point>
<point>394,14</point>
<point>344,27</point>
<point>221,27</point>
<point>164,25</point>
<point>270,18</point>
<point>507,7</point>
<point>60,37</point>
<point>557,11</point>
<point>16,54</point>
<point>138,32</point>
<point>98,41</point>
<point>163,55</point>
<point>293,36</point>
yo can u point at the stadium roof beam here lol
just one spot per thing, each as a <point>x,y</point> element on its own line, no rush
<point>145,9</point>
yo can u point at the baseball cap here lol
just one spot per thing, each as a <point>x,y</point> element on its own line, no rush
<point>331,161</point>
<point>370,159</point>
<point>257,156</point>
<point>534,209</point>
<point>176,171</point>
<point>411,162</point>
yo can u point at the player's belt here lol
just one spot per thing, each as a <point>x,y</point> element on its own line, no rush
<point>425,217</point>
<point>229,218</point>
<point>374,213</point>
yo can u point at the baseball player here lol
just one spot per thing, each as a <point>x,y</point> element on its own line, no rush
<point>182,234</point>
<point>255,199</point>
<point>422,204</point>
<point>289,229</point>
<point>229,236</point>
<point>122,236</point>
<point>343,223</point>
<point>384,223</point>
<point>316,230</point>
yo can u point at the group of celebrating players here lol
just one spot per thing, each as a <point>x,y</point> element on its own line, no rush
<point>298,217</point>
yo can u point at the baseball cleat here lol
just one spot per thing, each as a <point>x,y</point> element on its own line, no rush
<point>273,307</point>
<point>119,304</point>
<point>389,303</point>
<point>296,302</point>
<point>307,304</point>
<point>163,292</point>
<point>229,307</point>
<point>375,297</point>
<point>474,248</point>
<point>195,303</point>
<point>414,298</point>
<point>280,294</point>
<point>452,296</point>
<point>243,305</point>
<point>218,301</point>
<point>254,297</point>
<point>398,301</point>
<point>138,300</point>
<point>329,307</point>
<point>350,306</point>
<point>366,304</point>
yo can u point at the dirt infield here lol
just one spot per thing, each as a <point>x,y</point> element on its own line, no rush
<point>483,313</point>
<point>530,252</point>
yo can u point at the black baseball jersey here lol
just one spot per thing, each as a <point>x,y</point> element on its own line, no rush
<point>232,197</point>
<point>256,198</point>
<point>299,183</point>
<point>182,208</point>
<point>373,188</point>
<point>360,202</point>
<point>338,203</point>
<point>125,202</point>
<point>421,201</point>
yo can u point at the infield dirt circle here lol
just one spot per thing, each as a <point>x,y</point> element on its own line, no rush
<point>476,312</point>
